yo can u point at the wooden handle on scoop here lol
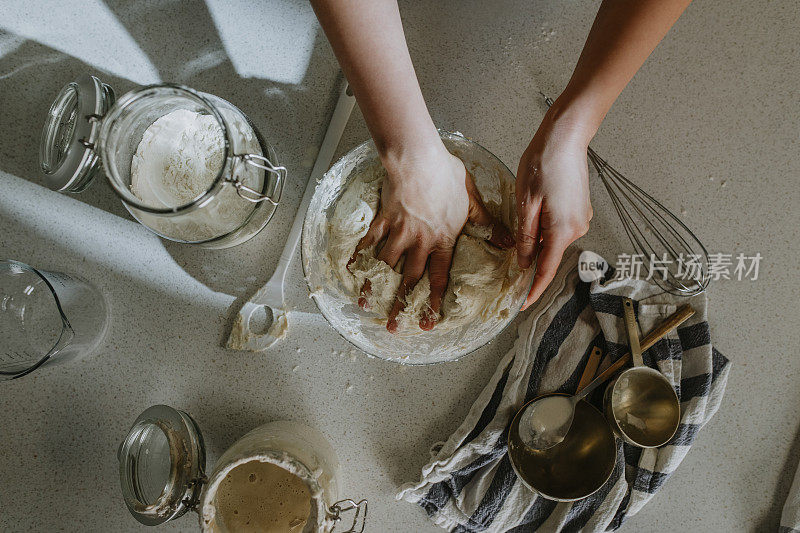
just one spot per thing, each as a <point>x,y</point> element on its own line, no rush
<point>591,368</point>
<point>671,322</point>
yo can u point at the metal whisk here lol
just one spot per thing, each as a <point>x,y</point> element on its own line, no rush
<point>670,254</point>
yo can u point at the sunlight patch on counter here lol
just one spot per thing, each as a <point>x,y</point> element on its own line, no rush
<point>84,29</point>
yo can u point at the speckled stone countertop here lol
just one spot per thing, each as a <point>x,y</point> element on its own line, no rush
<point>709,125</point>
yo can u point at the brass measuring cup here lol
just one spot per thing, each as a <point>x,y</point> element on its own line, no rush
<point>579,465</point>
<point>640,404</point>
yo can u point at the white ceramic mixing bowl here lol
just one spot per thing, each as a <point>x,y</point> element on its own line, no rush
<point>360,326</point>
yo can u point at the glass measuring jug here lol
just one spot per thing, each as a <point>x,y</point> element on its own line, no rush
<point>239,186</point>
<point>162,466</point>
<point>46,318</point>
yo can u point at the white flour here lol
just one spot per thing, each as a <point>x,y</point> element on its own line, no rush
<point>177,160</point>
<point>540,423</point>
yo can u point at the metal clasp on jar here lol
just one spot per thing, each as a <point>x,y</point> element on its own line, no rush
<point>258,161</point>
<point>343,506</point>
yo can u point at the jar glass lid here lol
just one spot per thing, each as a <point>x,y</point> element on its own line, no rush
<point>67,158</point>
<point>161,465</point>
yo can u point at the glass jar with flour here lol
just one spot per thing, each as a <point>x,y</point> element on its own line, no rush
<point>188,165</point>
<point>280,477</point>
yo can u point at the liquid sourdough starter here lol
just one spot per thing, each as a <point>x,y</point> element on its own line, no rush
<point>258,496</point>
<point>481,275</point>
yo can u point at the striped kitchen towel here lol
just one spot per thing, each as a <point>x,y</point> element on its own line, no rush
<point>469,485</point>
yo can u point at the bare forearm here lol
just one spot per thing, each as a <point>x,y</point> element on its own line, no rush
<point>367,38</point>
<point>623,35</point>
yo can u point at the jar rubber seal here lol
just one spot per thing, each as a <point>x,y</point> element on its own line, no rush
<point>162,465</point>
<point>67,159</point>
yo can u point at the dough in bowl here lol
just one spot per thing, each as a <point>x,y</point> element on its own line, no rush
<point>480,277</point>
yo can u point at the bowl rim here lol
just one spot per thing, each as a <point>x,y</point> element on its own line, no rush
<point>611,415</point>
<point>444,134</point>
<point>531,487</point>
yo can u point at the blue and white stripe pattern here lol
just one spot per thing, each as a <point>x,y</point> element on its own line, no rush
<point>469,485</point>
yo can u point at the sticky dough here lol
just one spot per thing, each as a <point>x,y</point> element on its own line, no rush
<point>480,275</point>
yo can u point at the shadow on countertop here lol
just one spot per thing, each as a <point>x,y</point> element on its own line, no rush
<point>184,45</point>
<point>781,490</point>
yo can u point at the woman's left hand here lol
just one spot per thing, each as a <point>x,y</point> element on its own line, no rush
<point>552,191</point>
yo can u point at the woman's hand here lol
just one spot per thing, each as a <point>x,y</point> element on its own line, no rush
<point>552,186</point>
<point>426,199</point>
<point>552,191</point>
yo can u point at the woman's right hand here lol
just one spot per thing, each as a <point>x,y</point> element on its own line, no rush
<point>426,199</point>
<point>428,195</point>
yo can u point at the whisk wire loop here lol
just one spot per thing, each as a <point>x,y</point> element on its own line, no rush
<point>675,242</point>
<point>657,234</point>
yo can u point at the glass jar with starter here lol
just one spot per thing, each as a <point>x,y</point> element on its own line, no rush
<point>281,477</point>
<point>188,165</point>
